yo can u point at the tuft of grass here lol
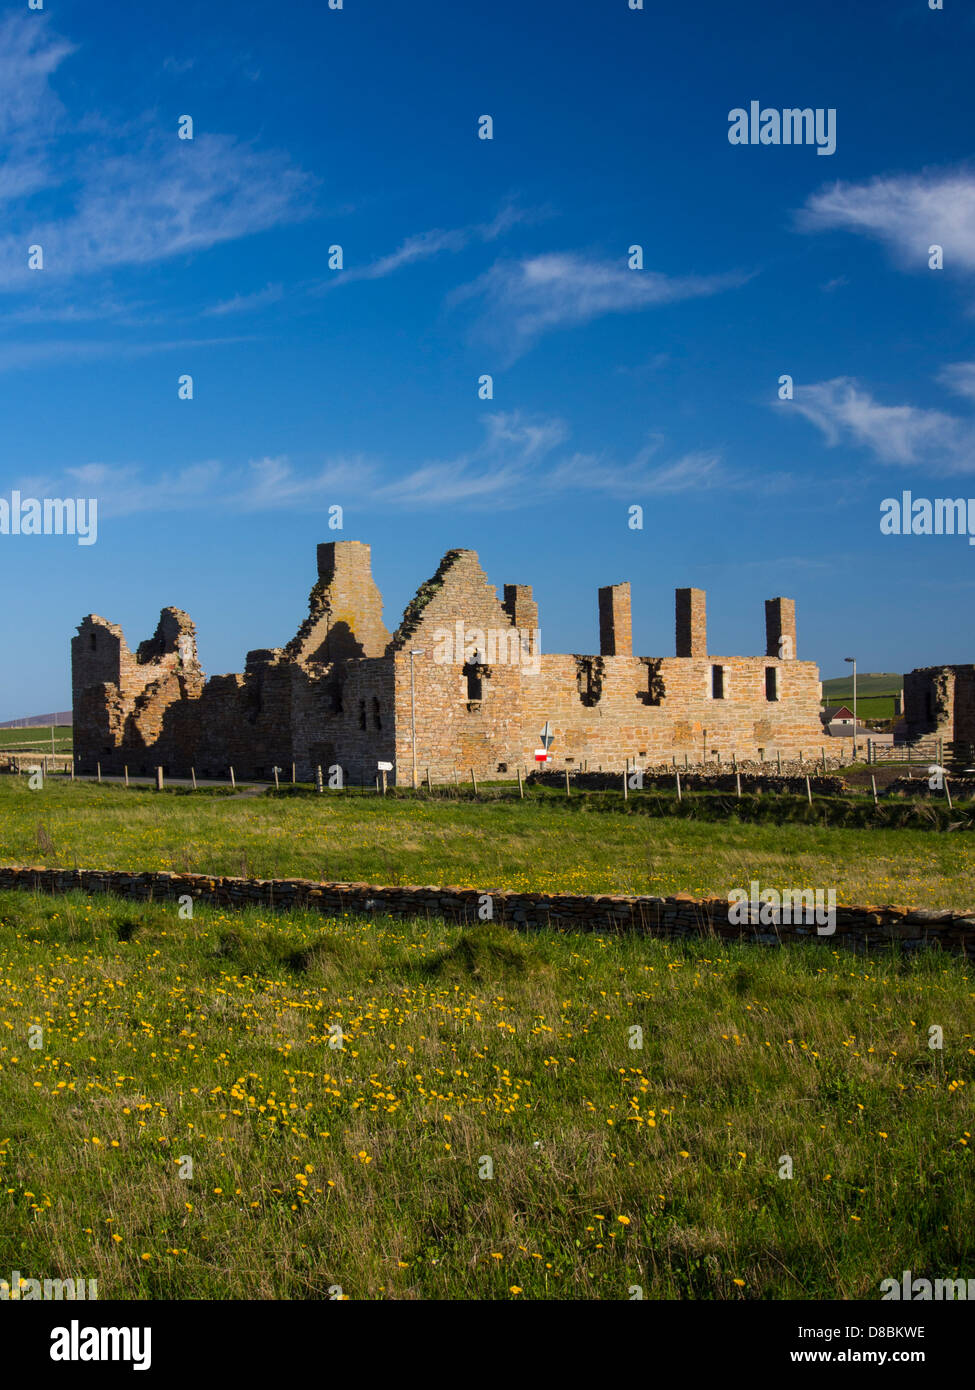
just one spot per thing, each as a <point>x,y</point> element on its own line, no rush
<point>486,953</point>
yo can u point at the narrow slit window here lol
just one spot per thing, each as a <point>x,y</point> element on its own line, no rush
<point>771,683</point>
<point>717,682</point>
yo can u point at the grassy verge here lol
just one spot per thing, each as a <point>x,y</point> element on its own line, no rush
<point>364,1167</point>
<point>537,845</point>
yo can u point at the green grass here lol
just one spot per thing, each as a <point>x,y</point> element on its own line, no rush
<point>870,706</point>
<point>39,738</point>
<point>839,690</point>
<point>361,1168</point>
<point>540,845</point>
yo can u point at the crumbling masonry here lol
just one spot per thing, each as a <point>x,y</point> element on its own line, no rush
<point>940,701</point>
<point>339,694</point>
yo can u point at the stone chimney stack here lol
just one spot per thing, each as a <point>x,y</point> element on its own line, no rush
<point>692,626</point>
<point>780,628</point>
<point>522,609</point>
<point>615,621</point>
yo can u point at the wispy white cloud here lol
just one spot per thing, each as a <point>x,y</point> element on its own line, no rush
<point>522,299</point>
<point>125,491</point>
<point>907,213</point>
<point>425,246</point>
<point>519,459</point>
<point>246,303</point>
<point>150,198</point>
<point>78,351</point>
<point>845,412</point>
<point>959,377</point>
<point>274,484</point>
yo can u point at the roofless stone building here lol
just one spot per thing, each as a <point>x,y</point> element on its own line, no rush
<point>340,693</point>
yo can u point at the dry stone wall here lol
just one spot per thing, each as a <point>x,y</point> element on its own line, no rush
<point>673,917</point>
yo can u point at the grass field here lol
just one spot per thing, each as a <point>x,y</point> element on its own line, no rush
<point>486,1128</point>
<point>493,845</point>
<point>839,690</point>
<point>39,738</point>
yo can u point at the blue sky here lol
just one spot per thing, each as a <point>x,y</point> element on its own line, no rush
<point>612,387</point>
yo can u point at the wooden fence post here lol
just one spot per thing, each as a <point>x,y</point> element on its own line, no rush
<point>521,788</point>
<point>948,793</point>
<point>277,784</point>
<point>567,792</point>
<point>474,780</point>
<point>98,769</point>
<point>233,779</point>
<point>808,791</point>
<point>778,753</point>
<point>126,771</point>
<point>318,778</point>
<point>873,783</point>
<point>193,777</point>
<point>823,751</point>
<point>679,796</point>
<point>738,783</point>
<point>293,770</point>
<point>626,790</point>
<point>159,779</point>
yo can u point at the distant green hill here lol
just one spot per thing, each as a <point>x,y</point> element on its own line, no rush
<point>839,690</point>
<point>875,693</point>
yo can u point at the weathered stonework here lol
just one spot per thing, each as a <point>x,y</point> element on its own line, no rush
<point>340,692</point>
<point>940,701</point>
<point>863,928</point>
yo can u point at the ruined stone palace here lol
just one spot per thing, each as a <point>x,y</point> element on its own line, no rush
<point>342,694</point>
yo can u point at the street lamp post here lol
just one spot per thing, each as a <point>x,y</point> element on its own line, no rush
<point>414,651</point>
<point>854,662</point>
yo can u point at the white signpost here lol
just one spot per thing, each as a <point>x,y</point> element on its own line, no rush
<point>548,738</point>
<point>383,769</point>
